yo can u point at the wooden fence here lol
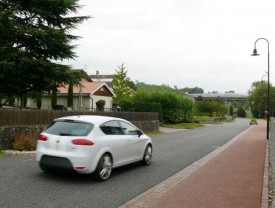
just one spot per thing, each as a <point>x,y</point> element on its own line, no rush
<point>17,117</point>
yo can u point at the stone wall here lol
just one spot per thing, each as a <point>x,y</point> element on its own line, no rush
<point>147,126</point>
<point>8,134</point>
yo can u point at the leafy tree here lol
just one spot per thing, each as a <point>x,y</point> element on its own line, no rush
<point>122,85</point>
<point>34,35</point>
<point>194,90</point>
<point>258,99</point>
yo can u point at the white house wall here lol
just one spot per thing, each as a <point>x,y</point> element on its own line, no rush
<point>86,104</point>
<point>78,105</point>
<point>108,101</point>
<point>46,103</point>
<point>89,103</point>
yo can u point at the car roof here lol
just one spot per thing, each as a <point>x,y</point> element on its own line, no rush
<point>90,118</point>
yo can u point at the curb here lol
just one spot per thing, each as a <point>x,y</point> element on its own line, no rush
<point>265,179</point>
<point>19,153</point>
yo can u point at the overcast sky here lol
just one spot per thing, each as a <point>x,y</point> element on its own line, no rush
<point>187,43</point>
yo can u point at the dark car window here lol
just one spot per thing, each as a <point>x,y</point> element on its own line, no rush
<point>128,129</point>
<point>111,128</point>
<point>69,128</point>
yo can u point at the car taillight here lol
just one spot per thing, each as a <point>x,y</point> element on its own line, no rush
<point>43,138</point>
<point>82,142</point>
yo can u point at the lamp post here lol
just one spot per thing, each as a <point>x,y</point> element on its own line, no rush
<point>255,53</point>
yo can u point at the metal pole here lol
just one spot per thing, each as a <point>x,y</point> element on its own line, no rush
<point>268,97</point>
<point>268,86</point>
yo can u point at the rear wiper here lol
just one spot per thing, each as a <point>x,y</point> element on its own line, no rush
<point>66,134</point>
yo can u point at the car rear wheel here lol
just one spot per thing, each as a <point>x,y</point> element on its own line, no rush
<point>147,156</point>
<point>104,168</point>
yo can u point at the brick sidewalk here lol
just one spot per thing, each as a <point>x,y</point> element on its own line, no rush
<point>232,179</point>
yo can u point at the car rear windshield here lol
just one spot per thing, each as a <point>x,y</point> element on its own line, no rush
<point>69,128</point>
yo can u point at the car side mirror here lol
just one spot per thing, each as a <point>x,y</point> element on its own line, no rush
<point>139,133</point>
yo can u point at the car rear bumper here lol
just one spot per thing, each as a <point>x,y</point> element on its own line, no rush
<point>84,165</point>
<point>55,162</point>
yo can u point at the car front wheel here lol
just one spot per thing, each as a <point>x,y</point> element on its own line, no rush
<point>148,154</point>
<point>104,168</point>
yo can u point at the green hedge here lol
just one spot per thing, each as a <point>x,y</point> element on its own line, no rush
<point>176,108</point>
<point>143,107</point>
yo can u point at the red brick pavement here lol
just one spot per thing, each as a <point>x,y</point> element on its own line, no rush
<point>232,179</point>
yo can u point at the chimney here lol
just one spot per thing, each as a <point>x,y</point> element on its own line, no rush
<point>97,74</point>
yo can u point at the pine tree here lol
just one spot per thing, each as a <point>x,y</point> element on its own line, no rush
<point>34,35</point>
<point>122,85</point>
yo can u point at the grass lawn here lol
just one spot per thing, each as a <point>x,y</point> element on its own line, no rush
<point>2,153</point>
<point>205,117</point>
<point>184,125</point>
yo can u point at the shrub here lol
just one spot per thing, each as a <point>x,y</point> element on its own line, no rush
<point>176,108</point>
<point>100,105</point>
<point>211,108</point>
<point>253,121</point>
<point>24,142</point>
<point>241,112</point>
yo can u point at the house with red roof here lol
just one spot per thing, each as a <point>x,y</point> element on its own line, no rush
<point>85,96</point>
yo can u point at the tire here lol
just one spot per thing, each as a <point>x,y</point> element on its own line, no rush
<point>104,168</point>
<point>148,154</point>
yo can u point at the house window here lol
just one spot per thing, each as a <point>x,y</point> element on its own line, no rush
<point>101,89</point>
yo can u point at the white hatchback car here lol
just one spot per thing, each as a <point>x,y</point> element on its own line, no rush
<point>92,144</point>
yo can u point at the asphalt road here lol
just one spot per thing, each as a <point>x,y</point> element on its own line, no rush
<point>23,184</point>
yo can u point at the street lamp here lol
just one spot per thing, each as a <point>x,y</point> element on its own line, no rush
<point>262,80</point>
<point>255,53</point>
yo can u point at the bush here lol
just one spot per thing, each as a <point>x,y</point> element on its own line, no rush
<point>100,105</point>
<point>24,142</point>
<point>173,107</point>
<point>176,108</point>
<point>241,112</point>
<point>211,108</point>
<point>253,121</point>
